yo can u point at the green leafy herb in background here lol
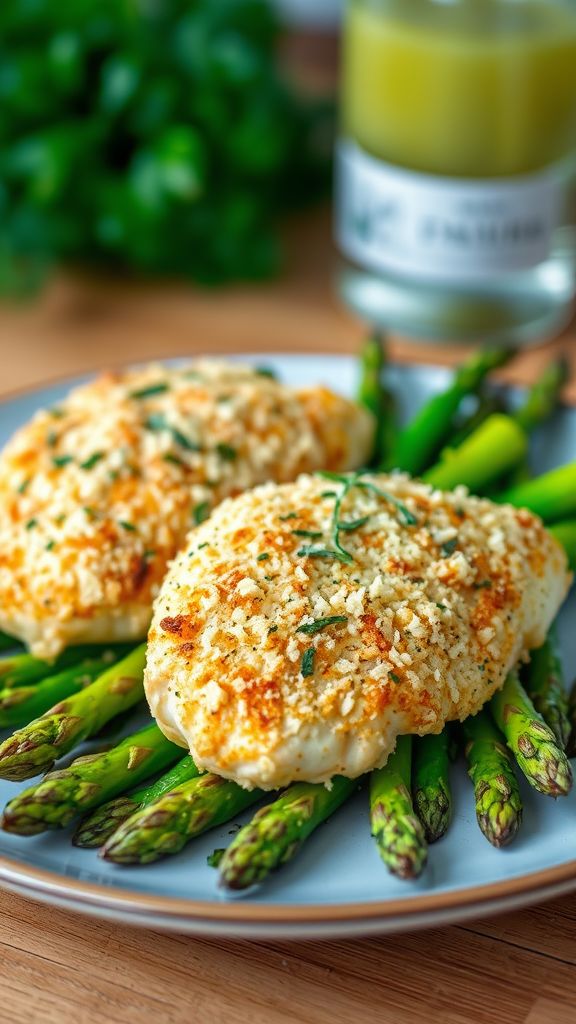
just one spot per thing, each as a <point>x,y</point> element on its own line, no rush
<point>154,135</point>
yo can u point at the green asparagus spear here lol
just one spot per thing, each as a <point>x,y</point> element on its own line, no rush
<point>500,444</point>
<point>533,744</point>
<point>571,745</point>
<point>62,795</point>
<point>24,703</point>
<point>24,669</point>
<point>490,452</point>
<point>35,747</point>
<point>419,442</point>
<point>98,826</point>
<point>551,496</point>
<point>277,831</point>
<point>165,826</point>
<point>8,643</point>
<point>488,404</point>
<point>396,828</point>
<point>545,686</point>
<point>543,398</point>
<point>375,397</point>
<point>431,790</point>
<point>496,791</point>
<point>565,533</point>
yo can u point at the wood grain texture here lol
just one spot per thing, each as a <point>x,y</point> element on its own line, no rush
<point>59,968</point>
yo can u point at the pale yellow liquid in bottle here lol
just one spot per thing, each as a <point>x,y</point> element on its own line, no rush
<point>479,88</point>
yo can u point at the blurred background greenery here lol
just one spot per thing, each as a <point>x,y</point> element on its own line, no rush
<point>155,136</point>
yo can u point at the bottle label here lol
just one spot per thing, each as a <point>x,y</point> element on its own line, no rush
<point>442,229</point>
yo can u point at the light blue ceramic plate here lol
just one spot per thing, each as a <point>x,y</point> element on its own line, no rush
<point>337,886</point>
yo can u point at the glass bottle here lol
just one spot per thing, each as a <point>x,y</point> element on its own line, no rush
<point>454,166</point>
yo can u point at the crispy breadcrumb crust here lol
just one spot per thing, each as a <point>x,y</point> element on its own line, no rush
<point>280,651</point>
<point>98,494</point>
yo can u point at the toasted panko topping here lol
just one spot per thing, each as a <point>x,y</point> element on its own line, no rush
<point>306,625</point>
<point>98,494</point>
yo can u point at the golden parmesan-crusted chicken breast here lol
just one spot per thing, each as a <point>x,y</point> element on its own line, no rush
<point>98,495</point>
<point>308,624</point>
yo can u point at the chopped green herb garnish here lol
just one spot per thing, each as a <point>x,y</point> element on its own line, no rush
<point>483,585</point>
<point>449,546</point>
<point>89,511</point>
<point>442,607</point>
<point>313,534</point>
<point>309,551</point>
<point>328,494</point>
<point>61,460</point>
<point>183,441</point>
<point>152,389</point>
<point>340,478</point>
<point>50,545</point>
<point>31,524</point>
<point>51,438</point>
<point>201,512</point>
<point>149,553</point>
<point>289,515</point>
<point>353,524</point>
<point>307,663</point>
<point>157,421</point>
<point>23,487</point>
<point>92,461</point>
<point>213,859</point>
<point>273,629</point>
<point>263,557</point>
<point>266,371</point>
<point>56,412</point>
<point>127,526</point>
<point>225,451</point>
<point>172,459</point>
<point>394,677</point>
<point>311,628</point>
<point>405,516</point>
<point>204,545</point>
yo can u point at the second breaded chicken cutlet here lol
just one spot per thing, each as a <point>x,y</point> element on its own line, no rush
<point>98,494</point>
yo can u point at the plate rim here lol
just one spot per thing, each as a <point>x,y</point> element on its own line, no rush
<point>146,909</point>
<point>47,884</point>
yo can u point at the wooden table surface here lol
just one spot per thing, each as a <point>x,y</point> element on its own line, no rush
<point>56,967</point>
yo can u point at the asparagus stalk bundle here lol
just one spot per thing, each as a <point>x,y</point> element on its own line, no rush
<point>488,404</point>
<point>493,450</point>
<point>545,686</point>
<point>496,792</point>
<point>431,790</point>
<point>500,444</point>
<point>419,442</point>
<point>97,827</point>
<point>542,399</point>
<point>7,643</point>
<point>165,826</point>
<point>24,669</point>
<point>277,831</point>
<point>62,795</point>
<point>532,742</point>
<point>37,746</point>
<point>21,704</point>
<point>551,496</point>
<point>375,397</point>
<point>571,745</point>
<point>398,831</point>
<point>565,533</point>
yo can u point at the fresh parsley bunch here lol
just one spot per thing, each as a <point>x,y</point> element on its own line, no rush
<point>155,135</point>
